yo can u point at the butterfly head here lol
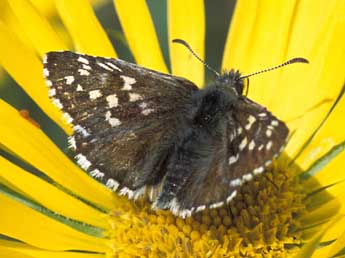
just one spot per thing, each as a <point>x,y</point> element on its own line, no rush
<point>231,81</point>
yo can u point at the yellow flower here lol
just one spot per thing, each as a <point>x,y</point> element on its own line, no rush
<point>51,208</point>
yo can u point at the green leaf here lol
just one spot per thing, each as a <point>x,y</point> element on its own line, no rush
<point>80,226</point>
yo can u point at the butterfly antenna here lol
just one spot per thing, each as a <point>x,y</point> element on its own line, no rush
<point>291,61</point>
<point>184,43</point>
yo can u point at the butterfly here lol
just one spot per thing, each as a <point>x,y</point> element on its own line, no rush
<point>145,133</point>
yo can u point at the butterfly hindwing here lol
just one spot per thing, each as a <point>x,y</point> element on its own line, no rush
<point>119,112</point>
<point>259,138</point>
<point>230,154</point>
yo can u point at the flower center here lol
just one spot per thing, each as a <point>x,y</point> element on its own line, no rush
<point>262,219</point>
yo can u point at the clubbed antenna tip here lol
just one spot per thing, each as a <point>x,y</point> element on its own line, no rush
<point>298,60</point>
<point>291,61</point>
<point>184,43</point>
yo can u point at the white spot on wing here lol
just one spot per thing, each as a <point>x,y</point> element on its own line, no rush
<point>243,144</point>
<point>233,159</point>
<point>269,145</point>
<point>258,170</point>
<point>49,83</point>
<point>81,130</point>
<point>274,122</point>
<point>247,177</point>
<point>231,196</point>
<point>147,111</point>
<point>185,213</point>
<point>239,130</point>
<point>94,94</point>
<point>83,60</point>
<point>134,97</point>
<point>268,132</point>
<point>113,121</point>
<point>127,191</point>
<point>96,173</point>
<point>200,208</point>
<point>216,205</point>
<point>67,117</point>
<point>45,72</point>
<point>104,66</point>
<point>83,72</point>
<point>251,120</point>
<point>57,103</point>
<point>69,79</point>
<point>87,67</point>
<point>51,92</point>
<point>113,66</point>
<point>112,184</point>
<point>251,145</point>
<point>235,182</point>
<point>71,143</point>
<point>143,105</point>
<point>79,88</point>
<point>128,82</point>
<point>83,161</point>
<point>112,101</point>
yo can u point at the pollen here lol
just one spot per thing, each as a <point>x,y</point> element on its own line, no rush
<point>260,221</point>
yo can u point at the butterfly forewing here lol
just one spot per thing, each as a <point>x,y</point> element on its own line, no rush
<point>120,114</point>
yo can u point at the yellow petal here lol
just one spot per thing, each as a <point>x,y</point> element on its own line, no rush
<point>335,232</point>
<point>331,207</point>
<point>186,21</point>
<point>33,146</point>
<point>239,36</point>
<point>12,254</point>
<point>27,70</point>
<point>141,36</point>
<point>8,17</point>
<point>329,176</point>
<point>256,41</point>
<point>329,135</point>
<point>321,214</point>
<point>338,245</point>
<point>28,251</point>
<point>54,199</point>
<point>25,224</point>
<point>36,27</point>
<point>303,128</point>
<point>46,7</point>
<point>88,34</point>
